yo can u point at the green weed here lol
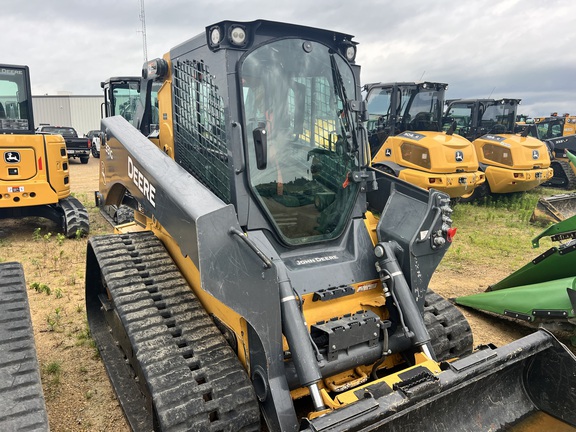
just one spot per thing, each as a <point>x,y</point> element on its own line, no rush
<point>53,319</point>
<point>60,238</point>
<point>40,288</point>
<point>51,373</point>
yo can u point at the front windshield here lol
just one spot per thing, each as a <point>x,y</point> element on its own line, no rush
<point>550,129</point>
<point>59,130</point>
<point>381,117</point>
<point>294,95</point>
<point>379,103</point>
<point>462,115</point>
<point>125,99</point>
<point>425,109</point>
<point>13,99</point>
<point>499,118</point>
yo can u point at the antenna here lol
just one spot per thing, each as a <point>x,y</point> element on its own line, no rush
<point>143,21</point>
<point>489,96</point>
<point>422,76</point>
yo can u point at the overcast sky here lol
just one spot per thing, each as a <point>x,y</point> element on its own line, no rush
<point>482,48</point>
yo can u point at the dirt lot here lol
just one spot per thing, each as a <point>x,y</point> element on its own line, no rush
<point>78,394</point>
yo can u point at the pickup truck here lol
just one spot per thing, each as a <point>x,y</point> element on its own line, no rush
<point>76,147</point>
<point>96,137</point>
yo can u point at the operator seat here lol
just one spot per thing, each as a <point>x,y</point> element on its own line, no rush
<point>421,122</point>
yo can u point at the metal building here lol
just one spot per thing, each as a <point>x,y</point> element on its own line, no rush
<point>80,112</point>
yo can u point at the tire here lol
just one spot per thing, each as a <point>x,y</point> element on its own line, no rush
<point>95,153</point>
<point>479,192</point>
<point>385,169</point>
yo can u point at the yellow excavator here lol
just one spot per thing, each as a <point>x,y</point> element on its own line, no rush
<point>272,279</point>
<point>511,162</point>
<point>34,171</point>
<point>407,140</point>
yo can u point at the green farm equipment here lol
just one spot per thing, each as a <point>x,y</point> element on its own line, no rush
<point>541,293</point>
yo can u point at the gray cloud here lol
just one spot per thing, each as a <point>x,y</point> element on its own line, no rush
<point>524,49</point>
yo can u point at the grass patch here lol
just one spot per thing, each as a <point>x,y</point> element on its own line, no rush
<point>495,230</point>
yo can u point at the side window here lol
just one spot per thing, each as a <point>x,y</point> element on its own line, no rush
<point>199,127</point>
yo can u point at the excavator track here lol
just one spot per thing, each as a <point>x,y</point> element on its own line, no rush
<point>450,332</point>
<point>152,330</point>
<point>76,222</point>
<point>22,405</point>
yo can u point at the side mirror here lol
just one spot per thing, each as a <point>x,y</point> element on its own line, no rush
<point>261,146</point>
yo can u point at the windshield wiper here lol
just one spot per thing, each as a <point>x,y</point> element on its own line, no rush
<point>346,122</point>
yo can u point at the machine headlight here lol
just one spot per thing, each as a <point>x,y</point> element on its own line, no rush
<point>351,53</point>
<point>237,35</point>
<point>215,36</point>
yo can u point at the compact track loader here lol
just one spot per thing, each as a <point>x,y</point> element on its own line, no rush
<point>34,174</point>
<point>271,277</point>
<point>406,138</point>
<point>124,96</point>
<point>559,134</point>
<point>511,162</point>
<point>22,405</point>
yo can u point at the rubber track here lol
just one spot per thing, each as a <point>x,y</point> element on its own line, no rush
<point>566,181</point>
<point>124,214</point>
<point>195,379</point>
<point>22,405</point>
<point>450,332</point>
<point>75,217</point>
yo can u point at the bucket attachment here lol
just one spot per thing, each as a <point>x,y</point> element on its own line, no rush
<point>557,208</point>
<point>542,291</point>
<point>491,389</point>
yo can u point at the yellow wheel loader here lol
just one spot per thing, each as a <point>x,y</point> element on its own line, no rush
<point>34,172</point>
<point>511,162</point>
<point>407,141</point>
<point>272,279</point>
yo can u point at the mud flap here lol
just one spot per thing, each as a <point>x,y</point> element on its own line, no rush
<point>490,389</point>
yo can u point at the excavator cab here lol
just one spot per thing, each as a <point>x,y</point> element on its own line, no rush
<point>271,277</point>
